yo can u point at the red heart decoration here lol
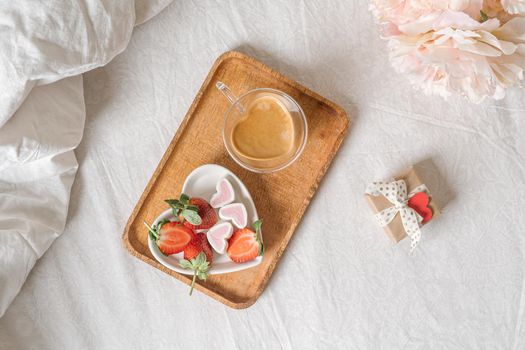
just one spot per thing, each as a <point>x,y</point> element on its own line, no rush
<point>419,202</point>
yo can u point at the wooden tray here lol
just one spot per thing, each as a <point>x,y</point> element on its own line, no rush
<point>281,198</point>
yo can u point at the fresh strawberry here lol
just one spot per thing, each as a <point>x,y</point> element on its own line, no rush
<point>195,213</point>
<point>206,247</point>
<point>184,211</point>
<point>193,248</point>
<point>198,244</point>
<point>245,244</point>
<point>206,212</point>
<point>170,237</point>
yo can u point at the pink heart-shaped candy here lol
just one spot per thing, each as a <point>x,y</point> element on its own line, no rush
<point>224,195</point>
<point>218,236</point>
<point>236,212</point>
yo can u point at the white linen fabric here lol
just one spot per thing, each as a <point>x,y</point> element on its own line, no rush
<point>40,43</point>
<point>341,283</point>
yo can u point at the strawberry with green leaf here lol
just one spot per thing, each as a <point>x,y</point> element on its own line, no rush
<point>195,213</point>
<point>170,237</point>
<point>206,212</point>
<point>200,267</point>
<point>246,244</point>
<point>183,210</point>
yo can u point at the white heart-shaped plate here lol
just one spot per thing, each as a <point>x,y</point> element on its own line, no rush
<point>201,182</point>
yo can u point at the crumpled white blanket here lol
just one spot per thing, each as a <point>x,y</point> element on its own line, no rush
<point>42,114</point>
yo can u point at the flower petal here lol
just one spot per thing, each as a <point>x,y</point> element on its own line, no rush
<point>513,31</point>
<point>514,7</point>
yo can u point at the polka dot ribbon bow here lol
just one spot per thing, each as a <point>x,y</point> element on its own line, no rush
<point>396,193</point>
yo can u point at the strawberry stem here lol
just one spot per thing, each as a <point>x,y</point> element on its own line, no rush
<point>152,231</point>
<point>257,226</point>
<point>200,267</point>
<point>193,281</point>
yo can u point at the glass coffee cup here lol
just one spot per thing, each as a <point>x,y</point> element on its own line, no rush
<point>265,130</point>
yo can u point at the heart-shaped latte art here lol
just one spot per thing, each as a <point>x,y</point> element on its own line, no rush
<point>266,129</point>
<point>218,236</point>
<point>236,212</point>
<point>419,202</point>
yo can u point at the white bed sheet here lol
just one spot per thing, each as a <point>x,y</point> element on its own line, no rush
<point>341,283</point>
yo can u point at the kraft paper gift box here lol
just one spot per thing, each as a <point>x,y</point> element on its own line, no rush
<point>395,228</point>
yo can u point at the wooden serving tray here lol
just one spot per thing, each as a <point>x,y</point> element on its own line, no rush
<point>281,198</point>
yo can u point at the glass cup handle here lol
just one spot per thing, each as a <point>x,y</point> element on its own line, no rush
<point>229,95</point>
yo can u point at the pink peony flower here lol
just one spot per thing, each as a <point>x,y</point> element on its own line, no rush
<point>450,47</point>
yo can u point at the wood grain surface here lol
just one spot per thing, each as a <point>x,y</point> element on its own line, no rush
<point>281,198</point>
